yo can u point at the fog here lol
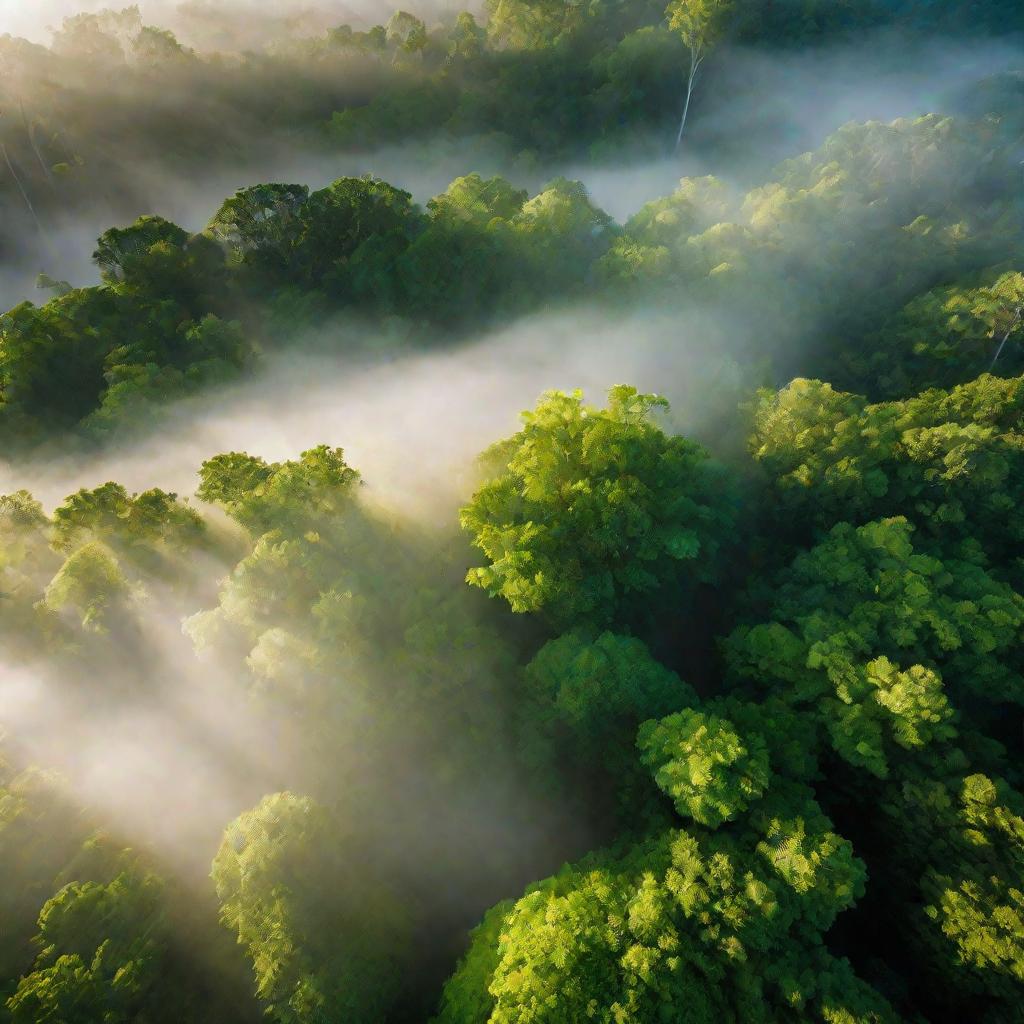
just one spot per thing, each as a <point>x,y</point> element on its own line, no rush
<point>218,24</point>
<point>753,110</point>
<point>166,746</point>
<point>413,425</point>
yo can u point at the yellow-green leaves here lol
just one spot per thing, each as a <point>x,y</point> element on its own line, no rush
<point>710,771</point>
<point>885,644</point>
<point>90,585</point>
<point>593,508</point>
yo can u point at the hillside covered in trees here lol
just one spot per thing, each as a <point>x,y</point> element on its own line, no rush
<point>333,693</point>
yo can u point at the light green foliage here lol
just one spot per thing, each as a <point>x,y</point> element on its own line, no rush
<point>561,231</point>
<point>107,953</point>
<point>337,620</point>
<point>872,671</point>
<point>322,933</point>
<point>711,772</point>
<point>476,201</point>
<point>296,495</point>
<point>948,461</point>
<point>152,520</point>
<point>899,195</point>
<point>466,258</point>
<point>466,39</point>
<point>700,23</point>
<point>88,563</point>
<point>407,31</point>
<point>709,926</point>
<point>696,205</point>
<point>27,563</point>
<point>877,637</point>
<point>532,24</point>
<point>591,508</point>
<point>91,586</point>
<point>100,954</point>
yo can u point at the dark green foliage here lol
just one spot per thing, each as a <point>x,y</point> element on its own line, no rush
<point>947,336</point>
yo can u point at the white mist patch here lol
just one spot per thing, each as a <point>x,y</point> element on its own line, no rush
<point>230,24</point>
<point>180,752</point>
<point>414,425</point>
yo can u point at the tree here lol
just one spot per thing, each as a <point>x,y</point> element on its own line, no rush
<point>890,647</point>
<point>711,772</point>
<point>40,832</point>
<point>583,698</point>
<point>701,24</point>
<point>258,224</point>
<point>351,233</point>
<point>949,462</point>
<point>587,510</point>
<point>466,39</point>
<point>946,336</point>
<point>295,496</point>
<point>407,31</point>
<point>324,935</point>
<point>721,925</point>
<point>91,585</point>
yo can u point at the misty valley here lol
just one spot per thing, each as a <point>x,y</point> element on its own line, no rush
<point>512,515</point>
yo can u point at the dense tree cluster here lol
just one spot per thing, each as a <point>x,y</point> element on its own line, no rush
<point>743,726</point>
<point>810,253</point>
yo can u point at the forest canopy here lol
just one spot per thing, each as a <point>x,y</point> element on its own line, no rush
<point>695,695</point>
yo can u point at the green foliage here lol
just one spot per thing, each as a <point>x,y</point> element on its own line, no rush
<point>947,461</point>
<point>39,834</point>
<point>296,495</point>
<point>982,914</point>
<point>946,336</point>
<point>321,932</point>
<point>91,586</point>
<point>700,23</point>
<point>582,700</point>
<point>121,252</point>
<point>100,954</point>
<point>882,210</point>
<point>710,771</point>
<point>884,643</point>
<point>711,925</point>
<point>590,509</point>
<point>854,748</point>
<point>149,520</point>
<point>97,357</point>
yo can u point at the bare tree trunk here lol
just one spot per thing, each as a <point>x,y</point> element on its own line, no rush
<point>30,131</point>
<point>1006,337</point>
<point>696,59</point>
<point>25,197</point>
